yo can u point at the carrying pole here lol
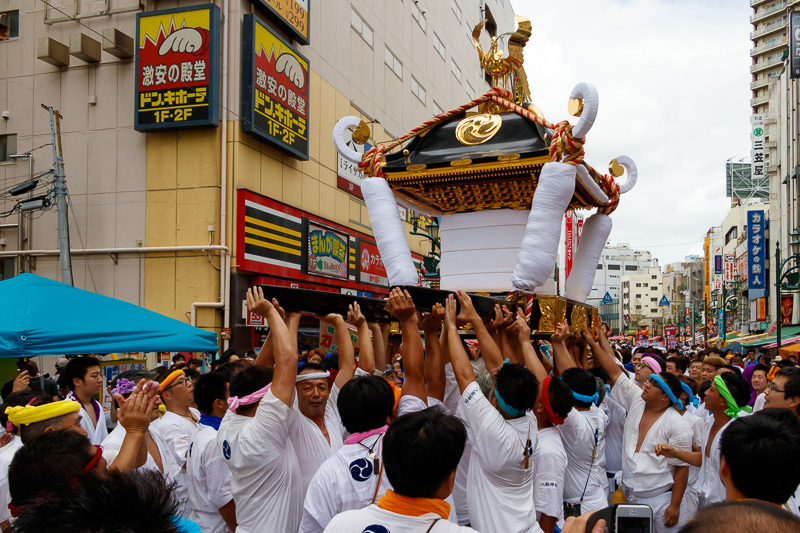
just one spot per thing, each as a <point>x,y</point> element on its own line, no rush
<point>61,196</point>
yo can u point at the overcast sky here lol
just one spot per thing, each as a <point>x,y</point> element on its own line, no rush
<point>673,78</point>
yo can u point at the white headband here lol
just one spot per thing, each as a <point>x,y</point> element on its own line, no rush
<point>315,375</point>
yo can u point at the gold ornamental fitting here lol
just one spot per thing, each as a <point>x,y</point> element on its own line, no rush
<point>615,168</point>
<point>575,106</point>
<point>478,129</point>
<point>361,134</point>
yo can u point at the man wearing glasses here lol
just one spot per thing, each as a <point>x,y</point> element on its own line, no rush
<point>784,391</point>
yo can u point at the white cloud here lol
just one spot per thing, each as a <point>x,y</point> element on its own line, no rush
<point>673,78</point>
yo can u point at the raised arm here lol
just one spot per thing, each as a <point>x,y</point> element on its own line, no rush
<point>562,358</point>
<point>461,365</point>
<point>264,357</point>
<point>344,348</point>
<point>434,366</point>
<point>489,349</point>
<point>607,363</point>
<point>401,306</point>
<point>283,351</point>
<point>366,357</point>
<point>526,351</point>
<point>378,344</point>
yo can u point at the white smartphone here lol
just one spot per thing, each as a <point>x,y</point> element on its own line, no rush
<point>633,518</point>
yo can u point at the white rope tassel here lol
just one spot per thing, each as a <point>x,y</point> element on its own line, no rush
<point>539,249</point>
<point>389,234</point>
<point>595,234</point>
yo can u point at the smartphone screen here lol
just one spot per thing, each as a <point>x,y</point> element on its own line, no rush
<point>633,524</point>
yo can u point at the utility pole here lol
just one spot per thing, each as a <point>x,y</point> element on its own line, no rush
<point>61,196</point>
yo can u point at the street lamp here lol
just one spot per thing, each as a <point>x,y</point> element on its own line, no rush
<point>730,303</point>
<point>790,276</point>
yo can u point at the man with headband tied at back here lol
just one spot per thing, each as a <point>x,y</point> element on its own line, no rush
<point>648,478</point>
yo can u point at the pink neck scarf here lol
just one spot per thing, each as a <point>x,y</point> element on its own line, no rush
<point>358,437</point>
<point>234,401</point>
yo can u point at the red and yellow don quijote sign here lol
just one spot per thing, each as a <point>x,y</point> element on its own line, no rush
<point>275,92</point>
<point>177,68</point>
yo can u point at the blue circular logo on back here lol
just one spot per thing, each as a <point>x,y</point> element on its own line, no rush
<point>375,528</point>
<point>226,450</point>
<point>361,470</point>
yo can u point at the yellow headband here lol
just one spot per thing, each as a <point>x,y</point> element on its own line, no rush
<point>169,379</point>
<point>30,414</point>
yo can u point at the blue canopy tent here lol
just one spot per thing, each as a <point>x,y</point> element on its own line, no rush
<point>40,316</point>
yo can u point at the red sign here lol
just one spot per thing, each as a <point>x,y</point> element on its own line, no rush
<point>372,269</point>
<point>787,305</point>
<point>761,309</point>
<point>580,233</point>
<point>729,268</point>
<point>568,244</point>
<point>670,333</point>
<point>254,319</point>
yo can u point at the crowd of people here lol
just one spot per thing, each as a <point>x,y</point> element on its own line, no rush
<point>518,435</point>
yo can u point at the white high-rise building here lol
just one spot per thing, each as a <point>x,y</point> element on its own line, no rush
<point>617,261</point>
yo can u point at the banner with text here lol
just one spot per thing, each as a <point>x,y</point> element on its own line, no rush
<point>756,255</point>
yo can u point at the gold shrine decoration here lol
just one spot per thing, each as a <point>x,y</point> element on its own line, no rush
<point>596,321</point>
<point>477,129</point>
<point>578,319</point>
<point>553,311</point>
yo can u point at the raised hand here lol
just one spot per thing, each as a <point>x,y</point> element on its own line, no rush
<point>354,315</point>
<point>401,306</point>
<point>256,303</point>
<point>468,312</point>
<point>522,327</point>
<point>450,314</point>
<point>433,320</point>
<point>134,412</point>
<point>561,334</point>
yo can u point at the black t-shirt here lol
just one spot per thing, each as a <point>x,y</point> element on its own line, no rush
<point>50,387</point>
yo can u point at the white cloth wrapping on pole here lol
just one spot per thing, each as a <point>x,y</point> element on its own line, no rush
<point>595,233</point>
<point>389,233</point>
<point>537,255</point>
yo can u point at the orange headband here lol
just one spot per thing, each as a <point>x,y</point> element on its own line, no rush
<point>169,379</point>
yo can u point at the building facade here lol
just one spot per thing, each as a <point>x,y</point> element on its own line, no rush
<point>182,220</point>
<point>640,297</point>
<point>617,261</point>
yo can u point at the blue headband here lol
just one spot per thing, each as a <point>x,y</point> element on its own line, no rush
<point>692,398</point>
<point>507,409</point>
<point>664,387</point>
<point>595,398</point>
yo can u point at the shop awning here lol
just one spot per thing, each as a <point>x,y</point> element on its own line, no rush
<point>784,342</point>
<point>787,332</point>
<point>794,349</point>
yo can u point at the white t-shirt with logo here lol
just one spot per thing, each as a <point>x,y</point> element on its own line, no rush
<point>265,477</point>
<point>208,480</point>
<point>373,519</point>
<point>499,488</point>
<point>550,468</point>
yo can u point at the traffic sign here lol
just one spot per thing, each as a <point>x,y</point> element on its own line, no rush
<point>664,300</point>
<point>607,299</point>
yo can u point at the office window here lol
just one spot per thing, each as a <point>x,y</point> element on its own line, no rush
<point>417,90</point>
<point>638,295</point>
<point>456,10</point>
<point>470,92</point>
<point>393,63</point>
<point>419,16</point>
<point>9,25</point>
<point>438,45</point>
<point>638,284</point>
<point>361,27</point>
<point>437,109</point>
<point>8,146</point>
<point>631,268</point>
<point>600,266</point>
<point>455,70</point>
<point>613,267</point>
<point>654,277</point>
<point>655,300</point>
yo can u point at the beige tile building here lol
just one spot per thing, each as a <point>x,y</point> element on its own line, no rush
<point>157,218</point>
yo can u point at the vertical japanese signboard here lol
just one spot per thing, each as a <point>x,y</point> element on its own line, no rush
<point>293,15</point>
<point>670,332</point>
<point>177,68</point>
<point>757,148</point>
<point>707,280</point>
<point>717,264</point>
<point>794,44</point>
<point>327,252</point>
<point>730,270</point>
<point>275,92</point>
<point>756,255</point>
<point>569,240</point>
